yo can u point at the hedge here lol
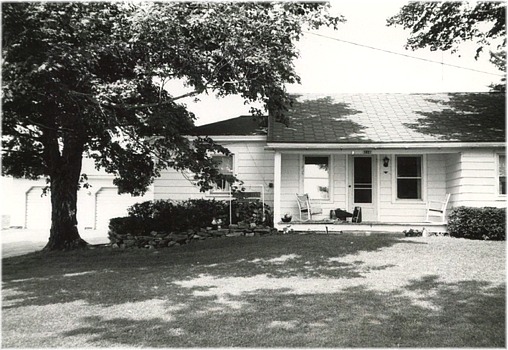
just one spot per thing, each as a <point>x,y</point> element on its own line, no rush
<point>478,223</point>
<point>194,214</point>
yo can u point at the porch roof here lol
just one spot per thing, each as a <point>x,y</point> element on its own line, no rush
<point>393,118</point>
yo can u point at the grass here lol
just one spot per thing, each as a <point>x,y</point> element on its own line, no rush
<point>272,291</point>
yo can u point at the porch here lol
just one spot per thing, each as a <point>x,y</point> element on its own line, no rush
<point>337,226</point>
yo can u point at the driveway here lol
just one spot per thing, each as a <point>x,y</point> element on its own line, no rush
<point>22,241</point>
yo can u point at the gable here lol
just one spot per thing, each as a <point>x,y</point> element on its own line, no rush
<point>391,118</point>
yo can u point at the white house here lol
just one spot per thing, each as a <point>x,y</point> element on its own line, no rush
<point>387,153</point>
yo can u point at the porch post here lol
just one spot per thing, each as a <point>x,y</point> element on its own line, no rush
<point>276,187</point>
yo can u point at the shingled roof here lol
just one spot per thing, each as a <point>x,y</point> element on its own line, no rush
<point>240,126</point>
<point>393,118</point>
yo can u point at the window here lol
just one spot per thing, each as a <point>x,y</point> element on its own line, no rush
<point>316,177</point>
<point>225,166</point>
<point>409,177</point>
<point>502,173</point>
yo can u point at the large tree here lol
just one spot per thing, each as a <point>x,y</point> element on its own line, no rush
<point>89,79</point>
<point>445,25</point>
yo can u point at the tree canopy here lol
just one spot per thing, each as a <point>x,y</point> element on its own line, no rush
<point>89,79</point>
<point>445,25</point>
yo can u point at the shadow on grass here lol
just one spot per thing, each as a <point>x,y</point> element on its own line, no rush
<point>466,314</point>
<point>424,313</point>
<point>95,276</point>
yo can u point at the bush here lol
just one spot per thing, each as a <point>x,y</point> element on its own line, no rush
<point>478,223</point>
<point>169,216</point>
<point>252,212</point>
<point>129,225</point>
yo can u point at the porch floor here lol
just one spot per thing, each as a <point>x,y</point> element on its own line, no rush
<point>335,226</point>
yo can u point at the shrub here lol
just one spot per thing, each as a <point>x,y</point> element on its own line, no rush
<point>252,212</point>
<point>478,223</point>
<point>412,233</point>
<point>129,225</point>
<point>169,216</point>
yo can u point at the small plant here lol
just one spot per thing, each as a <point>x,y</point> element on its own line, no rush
<point>287,217</point>
<point>412,233</point>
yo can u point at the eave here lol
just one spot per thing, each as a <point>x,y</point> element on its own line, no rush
<point>382,147</point>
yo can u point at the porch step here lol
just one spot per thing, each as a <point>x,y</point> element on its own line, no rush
<point>363,227</point>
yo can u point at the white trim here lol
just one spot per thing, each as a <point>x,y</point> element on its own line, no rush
<point>424,176</point>
<point>223,194</point>
<point>277,182</point>
<point>330,177</point>
<point>497,189</point>
<point>436,146</point>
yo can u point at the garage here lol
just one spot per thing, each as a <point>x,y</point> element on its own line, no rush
<point>38,209</point>
<point>93,210</point>
<point>110,204</point>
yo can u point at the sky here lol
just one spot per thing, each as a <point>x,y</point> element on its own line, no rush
<point>330,66</point>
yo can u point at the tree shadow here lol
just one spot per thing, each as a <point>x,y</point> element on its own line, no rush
<point>318,120</point>
<point>426,312</point>
<point>466,118</point>
<point>95,276</point>
<point>465,314</point>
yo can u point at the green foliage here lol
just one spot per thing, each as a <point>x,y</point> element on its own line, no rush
<point>412,233</point>
<point>252,212</point>
<point>444,25</point>
<point>90,79</point>
<point>478,223</point>
<point>168,216</point>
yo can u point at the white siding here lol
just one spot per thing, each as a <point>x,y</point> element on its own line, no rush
<point>292,184</point>
<point>473,179</point>
<point>252,163</point>
<point>392,209</point>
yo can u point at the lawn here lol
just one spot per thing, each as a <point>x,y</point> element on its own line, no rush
<point>272,291</point>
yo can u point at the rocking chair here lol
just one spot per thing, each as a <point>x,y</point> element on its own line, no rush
<point>304,206</point>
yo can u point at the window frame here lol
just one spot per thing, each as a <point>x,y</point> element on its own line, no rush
<point>216,191</point>
<point>330,176</point>
<point>423,179</point>
<point>498,175</point>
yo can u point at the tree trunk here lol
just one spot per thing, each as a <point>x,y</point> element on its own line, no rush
<point>64,233</point>
<point>64,178</point>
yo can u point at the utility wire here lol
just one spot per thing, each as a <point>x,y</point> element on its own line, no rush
<point>404,55</point>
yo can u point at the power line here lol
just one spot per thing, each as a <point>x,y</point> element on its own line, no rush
<point>404,55</point>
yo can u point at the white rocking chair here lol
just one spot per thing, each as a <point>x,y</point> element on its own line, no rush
<point>304,206</point>
<point>437,208</point>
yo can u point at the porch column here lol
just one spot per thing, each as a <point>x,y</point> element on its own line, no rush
<point>276,187</point>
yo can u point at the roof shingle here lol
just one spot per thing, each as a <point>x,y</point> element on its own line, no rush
<point>390,118</point>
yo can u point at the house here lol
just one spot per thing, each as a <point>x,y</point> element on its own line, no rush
<point>387,153</point>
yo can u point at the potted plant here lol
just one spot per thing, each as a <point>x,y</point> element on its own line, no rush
<point>287,217</point>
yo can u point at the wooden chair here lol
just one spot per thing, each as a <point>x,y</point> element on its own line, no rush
<point>437,208</point>
<point>304,206</point>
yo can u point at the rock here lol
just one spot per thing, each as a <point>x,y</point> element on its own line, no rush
<point>115,246</point>
<point>172,243</point>
<point>234,234</point>
<point>250,234</point>
<point>262,231</point>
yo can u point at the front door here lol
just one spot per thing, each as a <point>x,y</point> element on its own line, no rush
<point>362,188</point>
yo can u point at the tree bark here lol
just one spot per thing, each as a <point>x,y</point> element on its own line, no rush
<point>65,171</point>
<point>64,234</point>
